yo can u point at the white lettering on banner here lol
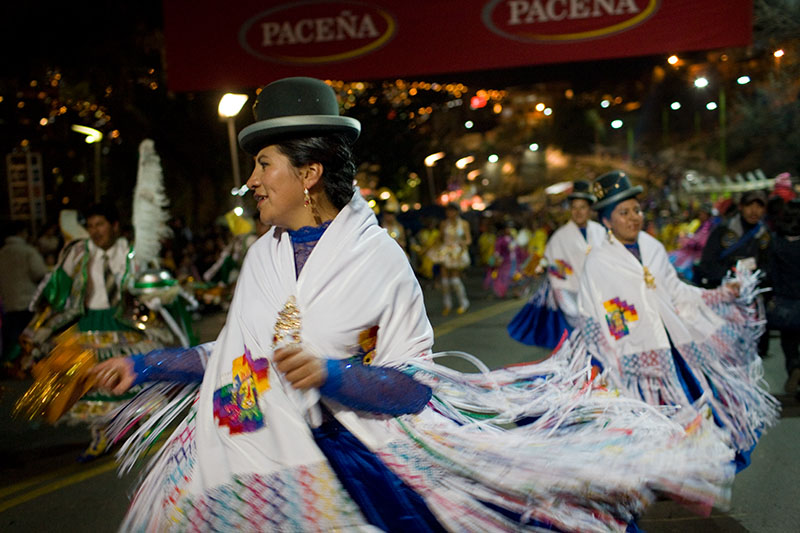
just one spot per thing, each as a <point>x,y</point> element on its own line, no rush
<point>320,30</point>
<point>528,12</point>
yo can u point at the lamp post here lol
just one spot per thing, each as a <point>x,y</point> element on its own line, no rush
<point>229,106</point>
<point>699,83</point>
<point>93,136</point>
<point>721,109</point>
<point>430,162</point>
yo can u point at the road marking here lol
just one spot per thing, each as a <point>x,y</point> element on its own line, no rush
<point>473,317</point>
<point>443,329</point>
<point>36,480</point>
<point>54,486</point>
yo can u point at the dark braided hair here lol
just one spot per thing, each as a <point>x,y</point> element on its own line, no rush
<point>335,155</point>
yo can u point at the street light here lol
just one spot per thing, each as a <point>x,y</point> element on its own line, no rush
<point>229,106</point>
<point>430,162</point>
<point>93,136</point>
<point>462,163</point>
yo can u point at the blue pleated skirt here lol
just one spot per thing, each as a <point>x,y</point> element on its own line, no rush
<point>537,323</point>
<point>385,500</point>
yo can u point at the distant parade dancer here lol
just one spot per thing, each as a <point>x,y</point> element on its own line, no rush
<point>663,340</point>
<point>315,409</point>
<point>452,254</point>
<point>102,299</point>
<point>393,226</point>
<point>690,246</point>
<point>504,265</point>
<point>553,309</point>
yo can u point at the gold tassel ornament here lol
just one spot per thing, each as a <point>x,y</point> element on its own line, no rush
<point>60,380</point>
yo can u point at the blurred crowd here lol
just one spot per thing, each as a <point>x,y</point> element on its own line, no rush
<point>507,248</point>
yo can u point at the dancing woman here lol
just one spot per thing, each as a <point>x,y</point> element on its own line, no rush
<point>553,309</point>
<point>664,341</point>
<point>452,254</point>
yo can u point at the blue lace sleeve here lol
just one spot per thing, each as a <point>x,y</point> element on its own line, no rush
<point>374,388</point>
<point>182,365</point>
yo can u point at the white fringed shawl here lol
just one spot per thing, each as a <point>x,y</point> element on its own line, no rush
<point>631,310</point>
<point>355,278</point>
<point>566,253</point>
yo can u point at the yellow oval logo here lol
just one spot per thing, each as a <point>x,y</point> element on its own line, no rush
<point>554,21</point>
<point>317,32</point>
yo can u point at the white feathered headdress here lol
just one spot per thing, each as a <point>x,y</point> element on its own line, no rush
<point>150,215</point>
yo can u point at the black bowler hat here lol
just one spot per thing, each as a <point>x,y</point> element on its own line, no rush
<point>612,188</point>
<point>295,106</point>
<point>581,190</point>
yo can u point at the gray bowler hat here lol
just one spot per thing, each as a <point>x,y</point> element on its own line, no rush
<point>612,188</point>
<point>295,106</point>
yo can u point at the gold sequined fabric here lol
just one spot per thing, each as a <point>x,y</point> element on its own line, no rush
<point>287,327</point>
<point>59,380</point>
<point>649,280</point>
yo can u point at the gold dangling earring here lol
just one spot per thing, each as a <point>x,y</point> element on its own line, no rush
<point>307,201</point>
<point>610,236</point>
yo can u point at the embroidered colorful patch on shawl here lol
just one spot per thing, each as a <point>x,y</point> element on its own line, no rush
<point>236,405</point>
<point>365,350</point>
<point>618,314</point>
<point>561,269</point>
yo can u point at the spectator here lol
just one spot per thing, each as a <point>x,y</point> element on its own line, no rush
<point>49,243</point>
<point>783,311</point>
<point>743,236</point>
<point>23,268</point>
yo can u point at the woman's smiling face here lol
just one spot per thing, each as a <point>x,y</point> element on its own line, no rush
<point>278,189</point>
<point>580,211</point>
<point>626,221</point>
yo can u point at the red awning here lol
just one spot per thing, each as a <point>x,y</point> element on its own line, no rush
<point>223,45</point>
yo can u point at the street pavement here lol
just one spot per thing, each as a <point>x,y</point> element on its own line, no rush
<point>43,488</point>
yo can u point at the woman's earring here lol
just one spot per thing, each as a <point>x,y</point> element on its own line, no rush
<point>307,201</point>
<point>610,235</point>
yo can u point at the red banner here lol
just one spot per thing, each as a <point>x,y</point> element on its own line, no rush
<point>227,45</point>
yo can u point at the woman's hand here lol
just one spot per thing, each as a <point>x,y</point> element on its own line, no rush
<point>114,375</point>
<point>303,369</point>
